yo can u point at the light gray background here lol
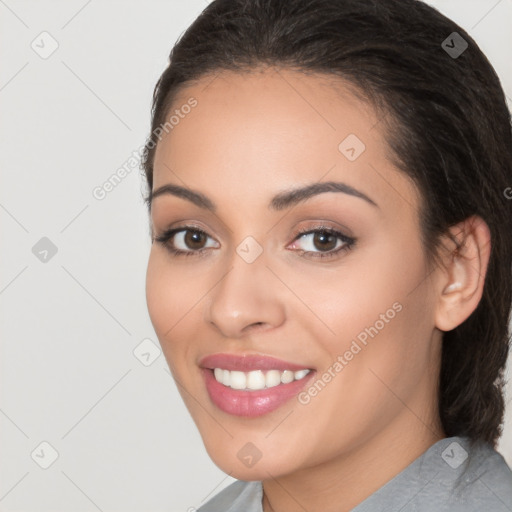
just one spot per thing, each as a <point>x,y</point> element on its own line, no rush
<point>69,377</point>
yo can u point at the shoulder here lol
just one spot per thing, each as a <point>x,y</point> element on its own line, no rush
<point>466,477</point>
<point>239,495</point>
<point>453,475</point>
<point>485,482</point>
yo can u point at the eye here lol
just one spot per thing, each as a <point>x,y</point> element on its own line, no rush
<point>327,241</point>
<point>185,240</point>
<point>319,242</point>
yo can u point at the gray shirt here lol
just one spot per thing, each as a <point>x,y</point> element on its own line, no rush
<point>449,476</point>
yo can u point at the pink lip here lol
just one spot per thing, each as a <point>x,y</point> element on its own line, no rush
<point>250,403</point>
<point>247,363</point>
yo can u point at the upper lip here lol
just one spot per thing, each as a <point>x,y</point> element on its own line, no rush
<point>248,362</point>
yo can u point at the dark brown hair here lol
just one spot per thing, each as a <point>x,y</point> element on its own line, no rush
<point>448,128</point>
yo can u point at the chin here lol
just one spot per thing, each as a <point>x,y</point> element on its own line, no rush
<point>248,462</point>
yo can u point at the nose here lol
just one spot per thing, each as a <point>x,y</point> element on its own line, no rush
<point>248,297</point>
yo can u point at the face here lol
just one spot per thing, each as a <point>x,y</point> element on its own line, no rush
<point>314,307</point>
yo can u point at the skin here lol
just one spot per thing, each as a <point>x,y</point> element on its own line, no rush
<point>248,138</point>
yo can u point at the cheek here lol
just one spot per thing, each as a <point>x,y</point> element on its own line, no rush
<point>378,312</point>
<point>384,330</point>
<point>362,292</point>
<point>173,297</point>
<point>168,301</point>
<point>158,294</point>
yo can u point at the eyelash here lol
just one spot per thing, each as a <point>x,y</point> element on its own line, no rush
<point>166,236</point>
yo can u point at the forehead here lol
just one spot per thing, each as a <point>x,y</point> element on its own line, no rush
<point>272,128</point>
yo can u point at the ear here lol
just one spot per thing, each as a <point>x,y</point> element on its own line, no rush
<point>460,283</point>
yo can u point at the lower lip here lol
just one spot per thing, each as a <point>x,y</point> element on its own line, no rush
<point>251,403</point>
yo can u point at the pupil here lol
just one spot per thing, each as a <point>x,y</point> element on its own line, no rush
<point>325,237</point>
<point>192,238</point>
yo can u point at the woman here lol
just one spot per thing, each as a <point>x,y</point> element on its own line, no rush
<point>330,275</point>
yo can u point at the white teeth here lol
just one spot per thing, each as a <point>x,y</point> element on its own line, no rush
<point>287,376</point>
<point>273,378</point>
<point>300,374</point>
<point>238,380</point>
<point>256,379</point>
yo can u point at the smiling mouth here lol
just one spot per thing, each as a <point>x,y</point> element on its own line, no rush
<point>257,379</point>
<point>251,385</point>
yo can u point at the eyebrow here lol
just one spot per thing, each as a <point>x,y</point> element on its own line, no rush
<point>280,201</point>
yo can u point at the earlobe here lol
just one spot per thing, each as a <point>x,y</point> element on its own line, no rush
<point>463,276</point>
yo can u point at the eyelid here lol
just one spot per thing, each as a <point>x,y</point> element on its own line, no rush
<point>179,226</point>
<point>348,241</point>
<point>170,233</point>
